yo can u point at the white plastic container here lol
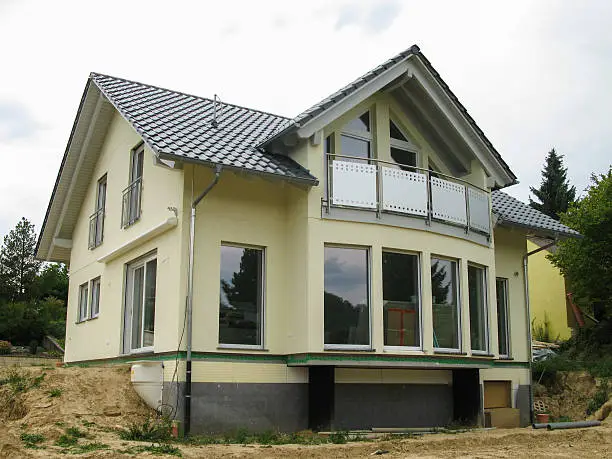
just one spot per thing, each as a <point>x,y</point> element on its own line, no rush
<point>148,381</point>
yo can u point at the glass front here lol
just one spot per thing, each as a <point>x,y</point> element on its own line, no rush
<point>240,302</point>
<point>444,292</point>
<point>502,316</point>
<point>83,289</point>
<point>149,303</point>
<point>401,299</point>
<point>352,146</point>
<point>346,297</point>
<point>359,124</point>
<point>478,308</point>
<point>95,297</point>
<point>142,283</point>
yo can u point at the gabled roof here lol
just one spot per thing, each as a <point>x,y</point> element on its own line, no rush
<point>332,100</point>
<point>512,212</point>
<point>180,126</point>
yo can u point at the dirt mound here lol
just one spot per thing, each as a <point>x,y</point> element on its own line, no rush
<point>47,400</point>
<point>567,395</point>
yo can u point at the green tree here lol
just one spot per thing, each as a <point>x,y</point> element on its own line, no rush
<point>18,265</point>
<point>555,193</point>
<point>52,281</point>
<point>587,262</point>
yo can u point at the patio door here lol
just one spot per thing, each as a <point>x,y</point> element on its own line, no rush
<point>139,329</point>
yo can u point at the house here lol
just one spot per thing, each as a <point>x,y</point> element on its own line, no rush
<point>551,313</point>
<point>338,270</point>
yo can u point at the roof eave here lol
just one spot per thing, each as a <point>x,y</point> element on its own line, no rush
<point>538,231</point>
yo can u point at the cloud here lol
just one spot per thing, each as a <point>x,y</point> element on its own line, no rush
<point>16,121</point>
<point>374,19</point>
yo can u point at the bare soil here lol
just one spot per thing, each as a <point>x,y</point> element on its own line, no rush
<point>99,400</point>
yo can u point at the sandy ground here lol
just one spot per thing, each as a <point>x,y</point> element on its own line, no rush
<point>104,397</point>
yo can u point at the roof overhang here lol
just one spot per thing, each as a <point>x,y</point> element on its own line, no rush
<point>403,72</point>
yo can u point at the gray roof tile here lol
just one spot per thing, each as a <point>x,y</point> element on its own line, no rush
<point>513,212</point>
<point>180,125</point>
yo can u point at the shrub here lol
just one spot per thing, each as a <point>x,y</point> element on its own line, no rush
<point>5,347</point>
<point>601,396</point>
<point>65,441</point>
<point>152,429</point>
<point>54,393</point>
<point>338,437</point>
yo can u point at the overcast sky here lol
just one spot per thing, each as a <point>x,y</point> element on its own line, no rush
<point>532,74</point>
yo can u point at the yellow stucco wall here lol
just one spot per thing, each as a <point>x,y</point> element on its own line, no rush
<point>547,294</point>
<point>102,337</point>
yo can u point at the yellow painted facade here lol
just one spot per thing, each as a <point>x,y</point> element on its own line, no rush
<point>286,221</point>
<point>547,295</point>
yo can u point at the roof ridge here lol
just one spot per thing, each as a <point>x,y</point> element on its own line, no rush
<point>94,74</point>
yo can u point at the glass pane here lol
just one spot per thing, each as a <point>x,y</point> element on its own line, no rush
<point>95,297</point>
<point>101,194</point>
<point>347,314</point>
<point>83,302</point>
<point>361,123</point>
<point>137,288</point>
<point>240,296</point>
<point>502,315</point>
<point>478,319</point>
<point>401,302</point>
<point>395,133</point>
<point>149,303</point>
<point>352,146</point>
<point>137,164</point>
<point>404,158</point>
<point>444,290</point>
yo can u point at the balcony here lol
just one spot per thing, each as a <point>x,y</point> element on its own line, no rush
<point>96,228</point>
<point>131,203</point>
<point>385,188</point>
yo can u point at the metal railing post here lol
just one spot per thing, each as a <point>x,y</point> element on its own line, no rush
<point>467,209</point>
<point>379,191</point>
<point>429,199</point>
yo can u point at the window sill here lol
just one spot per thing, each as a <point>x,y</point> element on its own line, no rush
<point>241,347</point>
<point>142,350</point>
<point>94,317</point>
<point>403,350</point>
<point>505,357</point>
<point>481,354</point>
<point>340,348</point>
<point>81,321</point>
<point>449,351</point>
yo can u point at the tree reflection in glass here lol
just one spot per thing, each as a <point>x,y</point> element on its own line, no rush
<point>445,306</point>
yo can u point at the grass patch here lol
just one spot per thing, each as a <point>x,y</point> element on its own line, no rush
<point>20,381</point>
<point>244,437</point>
<point>56,392</point>
<point>338,437</point>
<point>66,441</point>
<point>88,423</point>
<point>32,441</point>
<point>86,448</point>
<point>157,450</point>
<point>75,432</point>
<point>601,396</point>
<point>152,429</point>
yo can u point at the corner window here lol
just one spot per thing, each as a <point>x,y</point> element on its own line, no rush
<point>477,285</point>
<point>401,299</point>
<point>445,298</point>
<point>241,296</point>
<point>95,298</point>
<point>96,220</point>
<point>346,297</point>
<point>83,296</point>
<point>139,332</point>
<point>503,325</point>
<point>132,195</point>
<point>356,138</point>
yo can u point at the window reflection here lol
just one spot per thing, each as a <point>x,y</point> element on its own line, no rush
<point>444,291</point>
<point>346,297</point>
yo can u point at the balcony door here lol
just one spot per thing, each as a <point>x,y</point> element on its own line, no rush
<point>140,293</point>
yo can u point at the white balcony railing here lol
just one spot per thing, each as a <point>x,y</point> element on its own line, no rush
<point>382,186</point>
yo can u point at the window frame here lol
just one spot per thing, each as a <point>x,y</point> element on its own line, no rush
<point>459,348</point>
<point>486,307</point>
<point>130,268</point>
<point>135,185</point>
<point>419,295</point>
<point>404,145</point>
<point>351,347</point>
<point>99,214</point>
<point>95,280</point>
<point>82,313</point>
<point>262,299</point>
<point>505,282</point>
<point>366,136</point>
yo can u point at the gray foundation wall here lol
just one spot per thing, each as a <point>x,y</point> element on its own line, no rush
<point>523,404</point>
<point>363,406</point>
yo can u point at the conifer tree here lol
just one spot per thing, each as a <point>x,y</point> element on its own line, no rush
<point>18,266</point>
<point>555,193</point>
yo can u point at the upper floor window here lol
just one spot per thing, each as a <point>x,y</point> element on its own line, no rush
<point>241,296</point>
<point>401,299</point>
<point>96,220</point>
<point>503,326</point>
<point>356,138</point>
<point>346,297</point>
<point>132,195</point>
<point>403,152</point>
<point>445,298</point>
<point>477,285</point>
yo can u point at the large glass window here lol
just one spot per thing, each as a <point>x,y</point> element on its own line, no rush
<point>347,297</point>
<point>445,294</point>
<point>356,138</point>
<point>95,297</point>
<point>140,304</point>
<point>401,299</point>
<point>241,296</point>
<point>403,152</point>
<point>503,334</point>
<point>477,285</point>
